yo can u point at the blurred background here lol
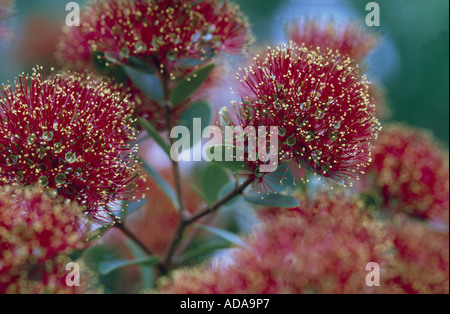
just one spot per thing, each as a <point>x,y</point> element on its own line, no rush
<point>411,62</point>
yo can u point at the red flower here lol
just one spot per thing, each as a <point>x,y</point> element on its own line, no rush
<point>37,234</point>
<point>421,263</point>
<point>411,171</point>
<point>321,247</point>
<point>67,133</point>
<point>320,104</point>
<point>104,41</point>
<point>349,40</point>
<point>168,35</point>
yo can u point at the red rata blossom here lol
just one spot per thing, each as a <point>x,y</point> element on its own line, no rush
<point>37,233</point>
<point>349,40</point>
<point>321,247</point>
<point>421,260</point>
<point>320,104</point>
<point>68,133</point>
<point>178,36</point>
<point>168,35</point>
<point>411,171</point>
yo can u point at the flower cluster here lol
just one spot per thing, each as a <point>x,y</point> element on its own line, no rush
<point>320,104</point>
<point>67,133</point>
<point>172,36</point>
<point>349,40</point>
<point>411,172</point>
<point>37,234</point>
<point>167,35</point>
<point>421,263</point>
<point>321,247</point>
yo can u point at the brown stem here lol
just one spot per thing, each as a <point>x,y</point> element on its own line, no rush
<point>221,202</point>
<point>119,225</point>
<point>185,223</point>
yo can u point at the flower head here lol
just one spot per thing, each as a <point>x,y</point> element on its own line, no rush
<point>411,171</point>
<point>421,262</point>
<point>67,133</point>
<point>349,40</point>
<point>321,247</point>
<point>37,234</point>
<point>168,35</point>
<point>320,104</point>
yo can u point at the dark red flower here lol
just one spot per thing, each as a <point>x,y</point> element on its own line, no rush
<point>68,133</point>
<point>182,36</point>
<point>320,104</point>
<point>168,35</point>
<point>411,171</point>
<point>37,234</point>
<point>349,39</point>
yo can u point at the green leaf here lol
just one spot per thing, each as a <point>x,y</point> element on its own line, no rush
<point>107,267</point>
<point>131,207</point>
<point>141,65</point>
<point>222,152</point>
<point>201,110</point>
<point>201,194</point>
<point>97,233</point>
<point>190,84</point>
<point>162,183</point>
<point>203,250</point>
<point>226,190</point>
<point>150,129</point>
<point>107,67</point>
<point>147,275</point>
<point>214,178</point>
<point>272,200</point>
<point>149,84</point>
<point>223,234</point>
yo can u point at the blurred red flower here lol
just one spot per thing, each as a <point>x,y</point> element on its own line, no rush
<point>37,234</point>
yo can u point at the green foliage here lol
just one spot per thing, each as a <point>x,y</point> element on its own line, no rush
<point>224,234</point>
<point>148,83</point>
<point>201,110</point>
<point>272,200</point>
<point>214,179</point>
<point>226,152</point>
<point>150,129</point>
<point>190,84</point>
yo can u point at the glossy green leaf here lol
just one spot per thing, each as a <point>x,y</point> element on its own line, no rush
<point>149,84</point>
<point>141,65</point>
<point>161,182</point>
<point>199,110</point>
<point>272,200</point>
<point>225,153</point>
<point>131,207</point>
<point>202,251</point>
<point>223,234</point>
<point>214,178</point>
<point>190,84</point>
<point>153,133</point>
<point>147,274</point>
<point>226,190</point>
<point>107,267</point>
